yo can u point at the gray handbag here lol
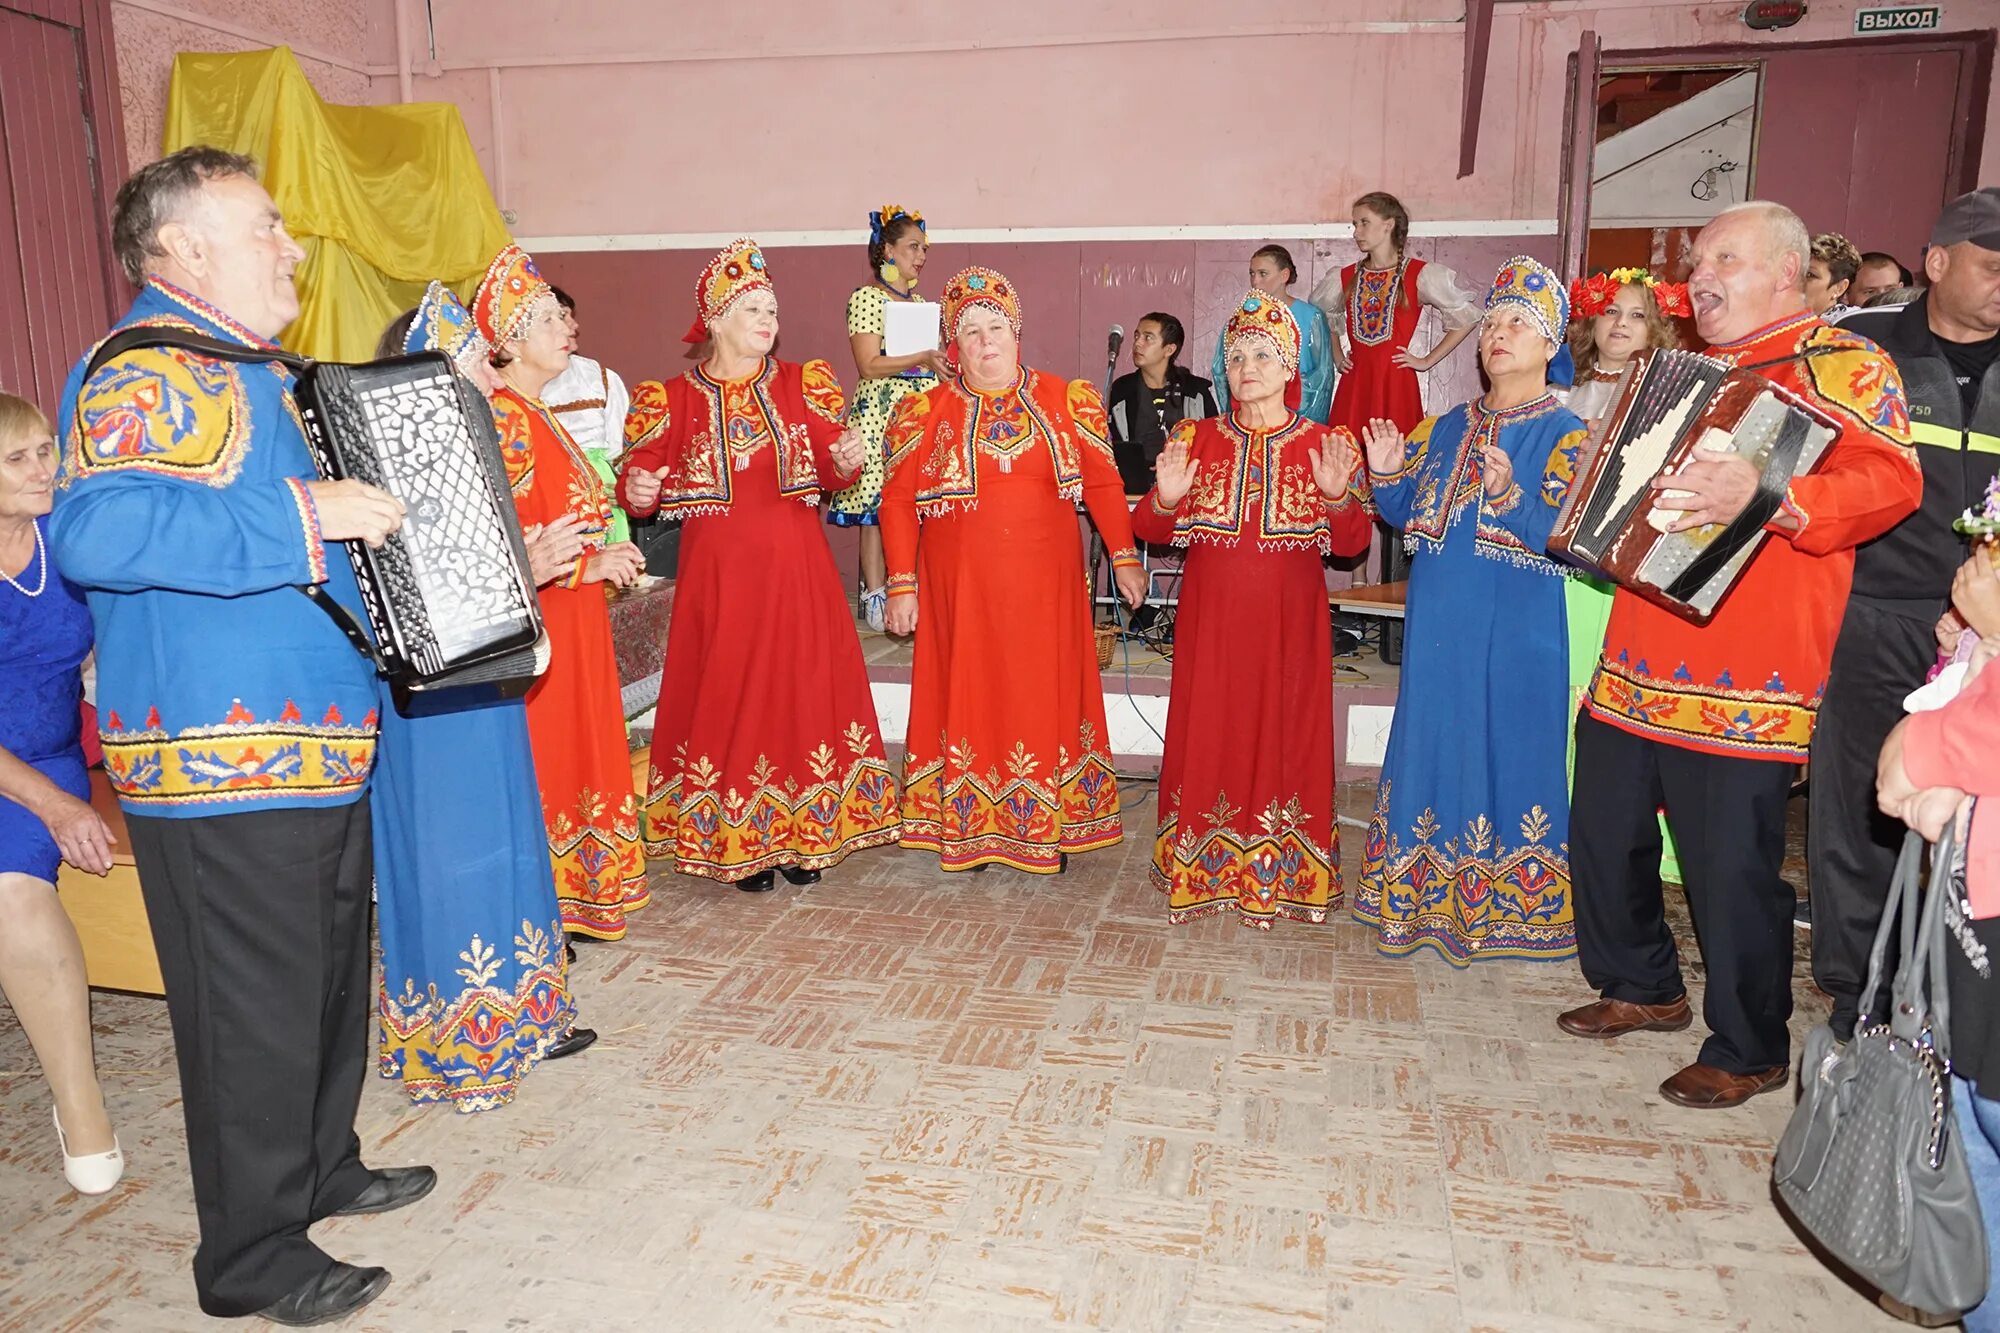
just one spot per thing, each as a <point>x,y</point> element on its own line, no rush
<point>1871,1165</point>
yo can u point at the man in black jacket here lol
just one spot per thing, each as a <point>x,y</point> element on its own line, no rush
<point>1944,343</point>
<point>1158,395</point>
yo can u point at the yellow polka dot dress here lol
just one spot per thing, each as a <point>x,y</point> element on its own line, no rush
<point>868,411</point>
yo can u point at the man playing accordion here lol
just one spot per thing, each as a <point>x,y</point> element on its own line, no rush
<point>1711,720</point>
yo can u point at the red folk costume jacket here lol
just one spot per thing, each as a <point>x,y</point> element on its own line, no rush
<point>1748,683</point>
<point>1289,511</point>
<point>933,434</point>
<point>802,408</point>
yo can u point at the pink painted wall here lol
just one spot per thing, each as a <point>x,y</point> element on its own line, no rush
<point>1068,113</point>
<point>340,43</point>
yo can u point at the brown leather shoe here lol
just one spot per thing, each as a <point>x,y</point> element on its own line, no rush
<point>1615,1018</point>
<point>1706,1088</point>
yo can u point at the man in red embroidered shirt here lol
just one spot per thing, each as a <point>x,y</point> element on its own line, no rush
<point>1710,720</point>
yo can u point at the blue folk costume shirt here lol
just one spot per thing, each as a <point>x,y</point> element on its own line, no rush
<point>182,511</point>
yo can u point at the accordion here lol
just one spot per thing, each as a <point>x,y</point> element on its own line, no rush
<point>449,595</point>
<point>1667,404</point>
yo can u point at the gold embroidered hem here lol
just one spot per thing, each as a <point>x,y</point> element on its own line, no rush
<point>1470,899</point>
<point>472,1049</point>
<point>1716,719</point>
<point>729,832</point>
<point>241,757</point>
<point>600,867</point>
<point>1274,872</point>
<point>970,820</point>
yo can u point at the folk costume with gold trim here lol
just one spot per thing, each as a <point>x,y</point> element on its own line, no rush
<point>183,511</point>
<point>474,988</point>
<point>765,747</point>
<point>1380,311</point>
<point>1007,758</point>
<point>575,717</point>
<point>1246,780</point>
<point>1748,683</point>
<point>1467,852</point>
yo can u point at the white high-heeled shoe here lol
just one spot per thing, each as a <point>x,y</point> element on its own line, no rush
<point>92,1173</point>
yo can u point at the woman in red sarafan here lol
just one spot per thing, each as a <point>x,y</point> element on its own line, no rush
<point>576,726</point>
<point>1378,303</point>
<point>1008,759</point>
<point>765,751</point>
<point>1256,499</point>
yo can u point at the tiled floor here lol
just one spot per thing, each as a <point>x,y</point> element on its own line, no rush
<point>896,1101</point>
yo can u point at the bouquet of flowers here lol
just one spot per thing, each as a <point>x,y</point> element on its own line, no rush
<point>1984,524</point>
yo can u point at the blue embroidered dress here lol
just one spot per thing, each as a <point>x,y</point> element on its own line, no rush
<point>1468,850</point>
<point>475,988</point>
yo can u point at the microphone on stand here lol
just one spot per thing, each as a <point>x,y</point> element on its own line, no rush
<point>1116,341</point>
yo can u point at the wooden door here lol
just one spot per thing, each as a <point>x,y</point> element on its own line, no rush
<point>1858,140</point>
<point>61,156</point>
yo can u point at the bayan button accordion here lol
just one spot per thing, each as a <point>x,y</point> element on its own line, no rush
<point>448,597</point>
<point>1667,404</point>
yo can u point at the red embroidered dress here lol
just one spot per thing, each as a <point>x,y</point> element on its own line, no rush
<point>1382,316</point>
<point>1008,759</point>
<point>575,719</point>
<point>765,748</point>
<point>1749,682</point>
<point>1246,784</point>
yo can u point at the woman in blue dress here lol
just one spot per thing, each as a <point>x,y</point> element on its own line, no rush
<point>45,814</point>
<point>475,972</point>
<point>1468,850</point>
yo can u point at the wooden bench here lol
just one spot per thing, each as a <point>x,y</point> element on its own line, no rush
<point>108,912</point>
<point>1375,599</point>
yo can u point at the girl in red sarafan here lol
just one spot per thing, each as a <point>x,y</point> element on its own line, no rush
<point>1378,303</point>
<point>1256,499</point>
<point>765,751</point>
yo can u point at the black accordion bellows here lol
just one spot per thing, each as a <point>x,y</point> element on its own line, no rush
<point>449,596</point>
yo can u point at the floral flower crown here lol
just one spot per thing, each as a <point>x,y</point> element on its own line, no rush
<point>887,214</point>
<point>1592,296</point>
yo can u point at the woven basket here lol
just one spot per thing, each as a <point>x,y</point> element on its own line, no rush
<point>1107,646</point>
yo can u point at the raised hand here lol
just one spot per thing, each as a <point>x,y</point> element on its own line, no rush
<point>1333,468</point>
<point>1499,470</point>
<point>1384,444</point>
<point>354,511</point>
<point>642,488</point>
<point>1975,592</point>
<point>1173,474</point>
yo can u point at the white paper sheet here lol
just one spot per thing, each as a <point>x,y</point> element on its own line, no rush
<point>909,327</point>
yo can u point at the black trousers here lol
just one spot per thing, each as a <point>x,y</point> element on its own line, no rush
<point>261,922</point>
<point>1728,821</point>
<point>1882,654</point>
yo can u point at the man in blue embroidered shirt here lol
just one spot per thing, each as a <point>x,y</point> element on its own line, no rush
<point>238,730</point>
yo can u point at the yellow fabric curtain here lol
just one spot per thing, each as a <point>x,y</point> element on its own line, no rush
<point>383,198</point>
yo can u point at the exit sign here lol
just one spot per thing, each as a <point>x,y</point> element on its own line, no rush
<point>1901,18</point>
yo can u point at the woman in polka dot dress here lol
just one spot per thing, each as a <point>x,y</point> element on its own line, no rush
<point>897,249</point>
